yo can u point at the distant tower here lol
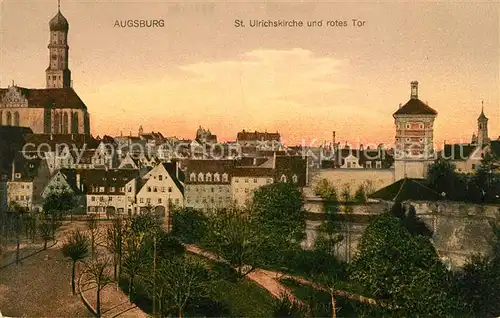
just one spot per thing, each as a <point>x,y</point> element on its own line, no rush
<point>414,137</point>
<point>58,74</point>
<point>141,131</point>
<point>482,128</point>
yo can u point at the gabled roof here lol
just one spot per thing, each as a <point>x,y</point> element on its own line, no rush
<point>256,135</point>
<point>175,173</point>
<point>415,107</point>
<point>407,189</point>
<point>48,97</point>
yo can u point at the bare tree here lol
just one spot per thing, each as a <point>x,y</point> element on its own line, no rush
<point>115,237</point>
<point>93,228</point>
<point>98,273</point>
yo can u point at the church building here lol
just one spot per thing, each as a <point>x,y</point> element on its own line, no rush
<point>55,109</point>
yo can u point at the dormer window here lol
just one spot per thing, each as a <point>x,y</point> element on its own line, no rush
<point>208,177</point>
<point>225,177</point>
<point>200,177</point>
<point>216,177</point>
<point>192,177</point>
<point>283,178</point>
<point>295,179</point>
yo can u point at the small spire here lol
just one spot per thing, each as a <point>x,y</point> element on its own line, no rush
<point>59,5</point>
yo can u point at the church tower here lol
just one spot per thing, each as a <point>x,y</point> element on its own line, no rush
<point>58,74</point>
<point>482,128</point>
<point>414,137</point>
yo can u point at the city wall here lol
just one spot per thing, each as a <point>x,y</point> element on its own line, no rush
<point>459,229</point>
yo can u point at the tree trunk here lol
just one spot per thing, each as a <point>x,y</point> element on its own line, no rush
<point>180,312</point>
<point>130,287</point>
<point>73,287</point>
<point>98,302</point>
<point>44,243</point>
<point>334,306</point>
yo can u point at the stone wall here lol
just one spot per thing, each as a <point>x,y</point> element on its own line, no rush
<point>354,178</point>
<point>460,229</point>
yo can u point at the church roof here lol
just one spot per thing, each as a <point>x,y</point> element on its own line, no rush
<point>415,107</point>
<point>46,97</point>
<point>482,116</point>
<point>59,23</point>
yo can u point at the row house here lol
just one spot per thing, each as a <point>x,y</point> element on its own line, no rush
<point>160,189</point>
<point>279,168</point>
<point>105,190</point>
<point>362,158</point>
<point>68,180</point>
<point>208,183</point>
<point>467,157</point>
<point>28,179</point>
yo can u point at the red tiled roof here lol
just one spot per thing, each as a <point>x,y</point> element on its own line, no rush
<point>50,97</point>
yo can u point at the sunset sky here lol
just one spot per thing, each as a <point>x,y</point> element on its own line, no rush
<point>199,69</point>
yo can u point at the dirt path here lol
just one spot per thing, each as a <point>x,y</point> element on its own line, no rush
<point>267,279</point>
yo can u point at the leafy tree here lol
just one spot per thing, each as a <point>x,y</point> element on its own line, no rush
<point>360,195</point>
<point>189,225</point>
<point>283,306</point>
<point>486,178</point>
<point>236,238</point>
<point>183,279</point>
<point>477,284</point>
<point>135,259</point>
<point>345,195</point>
<point>146,222</point>
<point>330,232</point>
<point>278,210</point>
<point>326,190</point>
<point>97,271</point>
<point>58,204</point>
<point>76,248</point>
<point>404,269</point>
<point>442,177</point>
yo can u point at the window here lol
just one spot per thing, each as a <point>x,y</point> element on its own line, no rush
<point>283,178</point>
<point>368,164</point>
<point>255,180</point>
<point>148,200</point>
<point>130,189</point>
<point>112,189</point>
<point>225,177</point>
<point>246,180</point>
<point>378,164</point>
<point>110,198</point>
<point>421,126</point>
<point>212,189</point>
<point>155,189</point>
<point>408,126</point>
<point>200,177</point>
<point>270,180</point>
<point>92,199</point>
<point>177,201</point>
<point>209,177</point>
<point>169,189</point>
<point>246,190</point>
<point>216,177</point>
<point>159,200</point>
<point>162,189</point>
<point>160,177</point>
<point>408,139</point>
<point>473,166</point>
<point>192,177</point>
<point>295,179</point>
<point>141,200</point>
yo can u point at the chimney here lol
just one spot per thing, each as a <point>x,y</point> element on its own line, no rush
<point>400,105</point>
<point>78,185</point>
<point>333,137</point>
<point>13,168</point>
<point>361,147</point>
<point>414,90</point>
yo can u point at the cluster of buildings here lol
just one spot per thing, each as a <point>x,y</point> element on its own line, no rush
<point>46,146</point>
